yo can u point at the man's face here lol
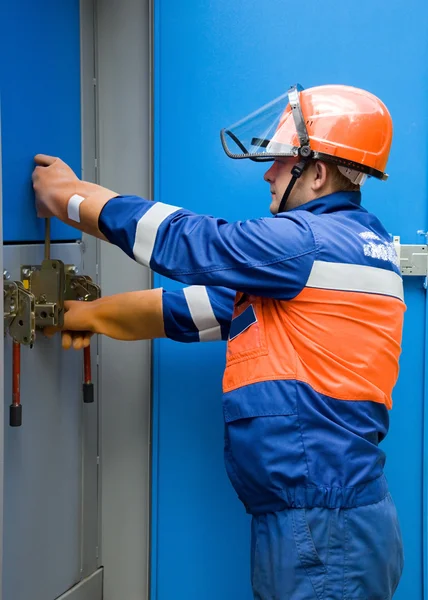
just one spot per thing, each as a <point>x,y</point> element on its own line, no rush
<point>278,177</point>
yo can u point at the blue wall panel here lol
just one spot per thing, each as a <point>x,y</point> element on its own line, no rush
<point>404,445</point>
<point>40,104</point>
<point>215,62</point>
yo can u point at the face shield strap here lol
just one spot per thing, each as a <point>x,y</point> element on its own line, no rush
<point>296,172</point>
<point>298,118</point>
<point>305,151</point>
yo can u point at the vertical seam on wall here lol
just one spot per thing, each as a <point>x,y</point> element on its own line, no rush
<point>155,354</point>
<point>153,420</point>
<point>98,277</point>
<point>1,377</point>
<point>425,458</point>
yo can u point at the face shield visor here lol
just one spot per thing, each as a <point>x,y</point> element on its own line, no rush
<point>279,129</point>
<point>275,130</point>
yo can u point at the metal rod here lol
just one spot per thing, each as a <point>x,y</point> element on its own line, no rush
<point>15,409</point>
<point>16,379</point>
<point>47,239</point>
<point>88,386</point>
<point>87,364</point>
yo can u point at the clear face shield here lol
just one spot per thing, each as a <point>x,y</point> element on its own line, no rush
<point>275,130</point>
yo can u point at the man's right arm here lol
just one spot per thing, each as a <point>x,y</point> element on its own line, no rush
<point>192,314</point>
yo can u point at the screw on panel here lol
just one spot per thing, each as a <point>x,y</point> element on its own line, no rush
<point>6,275</point>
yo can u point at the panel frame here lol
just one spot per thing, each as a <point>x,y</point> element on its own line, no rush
<point>124,121</point>
<point>91,516</point>
<point>1,377</point>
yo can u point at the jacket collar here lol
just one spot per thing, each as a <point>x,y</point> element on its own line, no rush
<point>332,203</point>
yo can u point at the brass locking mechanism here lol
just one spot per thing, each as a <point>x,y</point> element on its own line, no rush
<point>19,321</point>
<point>51,283</point>
<point>46,282</point>
<point>36,302</point>
<point>19,311</point>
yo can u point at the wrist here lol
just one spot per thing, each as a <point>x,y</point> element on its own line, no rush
<point>100,316</point>
<point>84,205</point>
<point>91,208</point>
<point>93,316</point>
<point>62,196</point>
<point>86,189</point>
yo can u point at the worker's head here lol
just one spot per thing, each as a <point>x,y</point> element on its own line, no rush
<point>318,179</point>
<point>323,137</point>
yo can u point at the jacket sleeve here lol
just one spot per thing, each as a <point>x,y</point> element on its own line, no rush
<point>269,257</point>
<point>198,313</point>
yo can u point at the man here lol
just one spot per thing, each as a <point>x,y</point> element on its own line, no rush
<point>311,303</point>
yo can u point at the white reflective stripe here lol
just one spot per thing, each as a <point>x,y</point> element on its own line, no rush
<point>355,278</point>
<point>202,313</point>
<point>147,229</point>
<point>210,335</point>
<point>73,207</point>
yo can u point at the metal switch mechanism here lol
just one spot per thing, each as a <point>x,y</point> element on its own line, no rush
<point>36,302</point>
<point>81,287</point>
<point>19,311</point>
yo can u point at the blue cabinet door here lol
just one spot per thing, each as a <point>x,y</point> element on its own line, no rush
<point>40,105</point>
<point>216,62</point>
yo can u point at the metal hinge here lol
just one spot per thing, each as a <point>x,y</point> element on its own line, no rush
<point>413,257</point>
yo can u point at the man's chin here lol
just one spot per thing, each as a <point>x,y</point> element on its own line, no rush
<point>273,208</point>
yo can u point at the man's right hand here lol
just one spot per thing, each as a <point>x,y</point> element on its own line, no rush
<point>54,183</point>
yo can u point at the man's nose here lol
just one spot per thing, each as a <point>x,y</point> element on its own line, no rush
<point>269,175</point>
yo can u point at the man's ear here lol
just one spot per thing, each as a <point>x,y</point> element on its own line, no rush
<point>320,176</point>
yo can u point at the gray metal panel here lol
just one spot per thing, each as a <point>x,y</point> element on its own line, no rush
<point>124,161</point>
<point>1,375</point>
<point>90,449</point>
<point>89,589</point>
<point>43,459</point>
<point>125,449</point>
<point>90,504</point>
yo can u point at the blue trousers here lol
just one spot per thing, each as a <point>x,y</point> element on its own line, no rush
<point>327,554</point>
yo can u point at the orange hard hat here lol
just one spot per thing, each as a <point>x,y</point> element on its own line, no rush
<point>344,125</point>
<point>342,122</point>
